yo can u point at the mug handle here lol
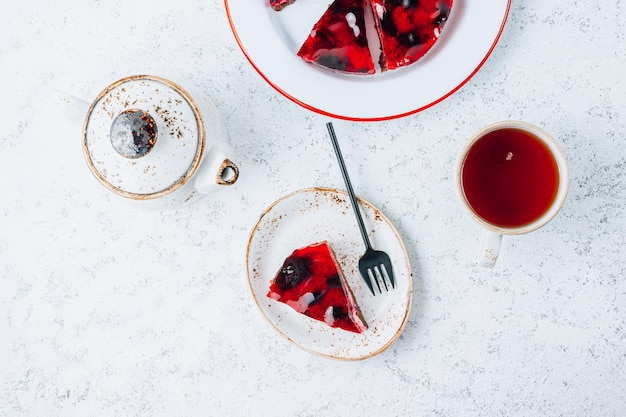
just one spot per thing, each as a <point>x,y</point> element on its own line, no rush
<point>491,242</point>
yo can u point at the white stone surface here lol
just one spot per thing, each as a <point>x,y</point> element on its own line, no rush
<point>106,310</point>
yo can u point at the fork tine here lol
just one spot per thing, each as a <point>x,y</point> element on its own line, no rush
<point>379,273</point>
<point>372,273</point>
<point>388,274</point>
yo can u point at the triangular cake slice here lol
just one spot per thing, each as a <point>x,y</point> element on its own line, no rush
<point>408,28</point>
<point>312,283</point>
<point>338,40</point>
<point>278,5</point>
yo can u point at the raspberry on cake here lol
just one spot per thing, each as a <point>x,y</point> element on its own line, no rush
<point>338,40</point>
<point>312,283</point>
<point>407,29</point>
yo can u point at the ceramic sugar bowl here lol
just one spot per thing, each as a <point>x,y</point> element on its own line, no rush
<point>157,142</point>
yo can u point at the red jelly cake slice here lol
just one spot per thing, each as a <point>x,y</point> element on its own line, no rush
<point>311,282</point>
<point>338,40</point>
<point>278,5</point>
<point>408,28</point>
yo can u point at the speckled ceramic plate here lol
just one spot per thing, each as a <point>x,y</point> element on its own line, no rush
<point>317,214</point>
<point>270,40</point>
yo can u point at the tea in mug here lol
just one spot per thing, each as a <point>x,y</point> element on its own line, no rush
<point>510,178</point>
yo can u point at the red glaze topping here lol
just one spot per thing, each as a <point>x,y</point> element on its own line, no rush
<point>278,5</point>
<point>408,28</point>
<point>338,40</point>
<point>311,283</point>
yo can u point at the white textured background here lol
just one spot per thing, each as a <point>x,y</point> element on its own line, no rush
<point>110,311</point>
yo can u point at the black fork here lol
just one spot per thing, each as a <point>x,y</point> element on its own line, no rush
<point>374,265</point>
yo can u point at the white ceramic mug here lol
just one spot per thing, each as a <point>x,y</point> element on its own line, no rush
<point>187,157</point>
<point>513,178</point>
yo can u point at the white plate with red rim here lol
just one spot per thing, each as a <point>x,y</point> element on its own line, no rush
<point>313,215</point>
<point>270,40</point>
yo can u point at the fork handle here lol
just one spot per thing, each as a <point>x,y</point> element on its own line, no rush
<point>346,179</point>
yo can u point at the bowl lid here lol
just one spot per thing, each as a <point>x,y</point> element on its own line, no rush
<point>143,137</point>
